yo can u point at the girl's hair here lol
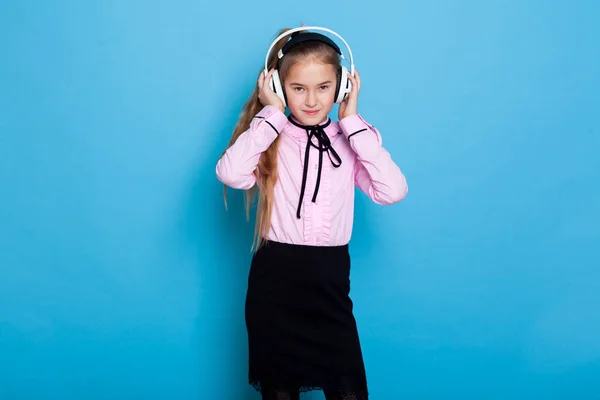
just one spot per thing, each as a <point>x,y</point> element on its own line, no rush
<point>266,172</point>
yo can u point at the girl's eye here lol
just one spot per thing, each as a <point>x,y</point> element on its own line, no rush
<point>324,87</point>
<point>297,89</point>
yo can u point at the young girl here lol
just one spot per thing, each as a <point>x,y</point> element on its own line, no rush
<point>302,333</point>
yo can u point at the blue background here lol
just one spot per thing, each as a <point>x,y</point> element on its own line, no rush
<point>123,277</point>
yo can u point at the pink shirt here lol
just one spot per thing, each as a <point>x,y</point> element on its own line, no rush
<point>352,155</point>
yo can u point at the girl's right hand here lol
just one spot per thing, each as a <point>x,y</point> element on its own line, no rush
<point>266,95</point>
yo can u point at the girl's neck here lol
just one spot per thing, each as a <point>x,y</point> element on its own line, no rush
<point>299,124</point>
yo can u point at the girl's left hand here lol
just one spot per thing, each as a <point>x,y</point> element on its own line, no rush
<point>350,105</point>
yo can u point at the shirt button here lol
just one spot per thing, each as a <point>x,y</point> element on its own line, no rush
<point>316,166</point>
<point>318,239</point>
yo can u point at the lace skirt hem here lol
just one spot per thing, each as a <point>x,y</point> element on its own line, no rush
<point>345,390</point>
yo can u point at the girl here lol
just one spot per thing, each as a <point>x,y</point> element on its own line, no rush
<point>302,333</point>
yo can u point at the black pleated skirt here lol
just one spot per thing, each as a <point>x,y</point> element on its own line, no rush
<point>302,333</point>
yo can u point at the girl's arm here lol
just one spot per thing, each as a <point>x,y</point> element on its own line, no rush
<point>375,172</point>
<point>236,167</point>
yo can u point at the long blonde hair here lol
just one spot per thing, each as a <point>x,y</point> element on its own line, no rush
<point>266,172</point>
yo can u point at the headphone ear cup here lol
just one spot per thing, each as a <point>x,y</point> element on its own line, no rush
<point>277,87</point>
<point>343,87</point>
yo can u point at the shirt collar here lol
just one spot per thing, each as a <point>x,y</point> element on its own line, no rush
<point>297,129</point>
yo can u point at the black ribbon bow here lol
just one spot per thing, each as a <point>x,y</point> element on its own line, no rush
<point>323,144</point>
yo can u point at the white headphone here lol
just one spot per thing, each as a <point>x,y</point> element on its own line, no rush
<point>343,86</point>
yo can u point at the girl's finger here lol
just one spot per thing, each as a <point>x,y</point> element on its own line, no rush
<point>268,76</point>
<point>356,79</point>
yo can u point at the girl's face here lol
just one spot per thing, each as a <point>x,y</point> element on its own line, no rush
<point>309,89</point>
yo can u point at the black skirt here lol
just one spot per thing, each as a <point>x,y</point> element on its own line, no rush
<point>302,334</point>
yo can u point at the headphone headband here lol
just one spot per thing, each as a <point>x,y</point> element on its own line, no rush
<point>307,37</point>
<point>308,28</point>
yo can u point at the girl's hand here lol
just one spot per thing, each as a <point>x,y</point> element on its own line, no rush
<point>350,104</point>
<point>266,95</point>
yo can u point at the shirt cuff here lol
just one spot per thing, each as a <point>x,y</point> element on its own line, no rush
<point>354,125</point>
<point>273,117</point>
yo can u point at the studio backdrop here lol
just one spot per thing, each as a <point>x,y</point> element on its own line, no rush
<point>123,276</point>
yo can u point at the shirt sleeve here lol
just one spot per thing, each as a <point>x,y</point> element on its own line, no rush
<point>237,165</point>
<point>375,173</point>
